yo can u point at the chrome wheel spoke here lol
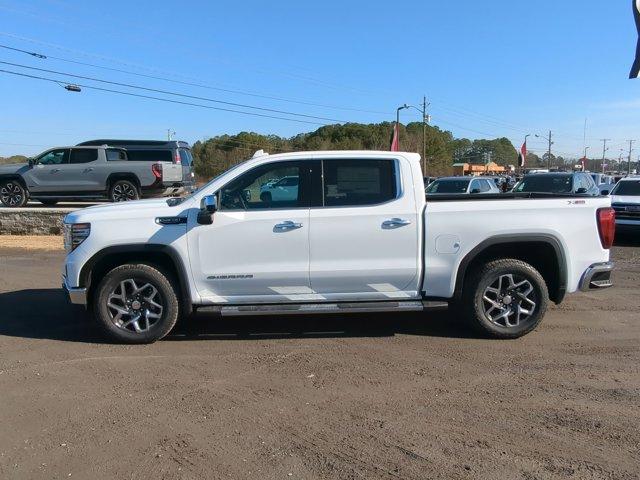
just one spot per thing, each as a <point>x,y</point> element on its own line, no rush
<point>135,306</point>
<point>509,300</point>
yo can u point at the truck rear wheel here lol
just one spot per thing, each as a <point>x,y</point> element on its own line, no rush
<point>505,298</point>
<point>123,191</point>
<point>135,303</point>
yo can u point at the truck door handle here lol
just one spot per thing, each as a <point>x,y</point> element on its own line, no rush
<point>395,223</point>
<point>286,226</point>
<point>87,170</point>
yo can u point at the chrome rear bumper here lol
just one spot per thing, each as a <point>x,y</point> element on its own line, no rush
<point>76,295</point>
<point>597,276</point>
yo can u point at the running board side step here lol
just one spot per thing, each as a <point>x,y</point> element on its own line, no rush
<point>309,308</point>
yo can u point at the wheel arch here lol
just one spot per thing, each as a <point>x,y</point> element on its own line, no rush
<point>13,176</point>
<point>164,257</point>
<point>542,251</point>
<point>115,176</point>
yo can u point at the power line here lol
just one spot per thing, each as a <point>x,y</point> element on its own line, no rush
<point>163,99</point>
<point>166,92</point>
<point>192,84</point>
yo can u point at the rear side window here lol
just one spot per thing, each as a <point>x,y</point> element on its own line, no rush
<point>358,182</point>
<point>185,157</point>
<point>114,155</point>
<point>485,186</point>
<point>83,155</point>
<point>448,186</point>
<point>150,155</point>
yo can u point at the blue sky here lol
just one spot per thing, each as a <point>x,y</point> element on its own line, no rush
<point>490,69</point>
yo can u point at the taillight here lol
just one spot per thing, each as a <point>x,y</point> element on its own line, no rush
<point>177,158</point>
<point>156,168</point>
<point>606,226</point>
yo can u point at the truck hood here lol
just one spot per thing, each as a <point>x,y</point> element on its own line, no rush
<point>137,209</point>
<point>13,168</point>
<point>625,199</point>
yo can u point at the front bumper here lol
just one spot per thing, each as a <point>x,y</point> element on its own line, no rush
<point>76,295</point>
<point>597,276</point>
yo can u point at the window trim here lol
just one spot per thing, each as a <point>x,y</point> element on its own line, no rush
<point>399,185</point>
<point>38,158</point>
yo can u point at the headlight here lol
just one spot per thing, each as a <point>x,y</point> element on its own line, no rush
<point>75,234</point>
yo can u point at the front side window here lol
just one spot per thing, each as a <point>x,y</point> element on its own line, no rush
<point>358,182</point>
<point>545,184</point>
<point>54,157</point>
<point>448,186</point>
<point>275,185</point>
<point>83,155</point>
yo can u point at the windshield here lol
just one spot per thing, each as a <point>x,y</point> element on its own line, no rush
<point>448,186</point>
<point>627,187</point>
<point>545,184</point>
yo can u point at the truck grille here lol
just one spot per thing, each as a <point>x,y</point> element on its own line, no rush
<point>627,211</point>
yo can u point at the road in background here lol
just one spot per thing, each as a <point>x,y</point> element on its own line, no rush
<point>359,396</point>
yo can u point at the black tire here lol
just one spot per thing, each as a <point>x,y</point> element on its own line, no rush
<point>486,310</point>
<point>48,203</point>
<point>13,194</point>
<point>123,191</point>
<point>116,310</point>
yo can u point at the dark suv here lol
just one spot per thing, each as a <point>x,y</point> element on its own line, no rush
<point>577,183</point>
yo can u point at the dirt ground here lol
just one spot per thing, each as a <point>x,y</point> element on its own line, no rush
<point>369,396</point>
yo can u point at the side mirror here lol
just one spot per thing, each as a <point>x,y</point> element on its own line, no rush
<point>476,190</point>
<point>32,162</point>
<point>208,206</point>
<point>581,190</point>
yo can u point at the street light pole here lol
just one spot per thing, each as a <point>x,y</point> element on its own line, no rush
<point>549,150</point>
<point>398,120</point>
<point>604,151</point>
<point>631,142</point>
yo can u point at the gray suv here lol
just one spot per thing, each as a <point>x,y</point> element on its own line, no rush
<point>117,170</point>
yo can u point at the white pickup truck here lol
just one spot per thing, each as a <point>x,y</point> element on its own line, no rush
<point>359,236</point>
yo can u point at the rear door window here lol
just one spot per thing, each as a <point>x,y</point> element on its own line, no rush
<point>485,187</point>
<point>150,155</point>
<point>358,182</point>
<point>83,155</point>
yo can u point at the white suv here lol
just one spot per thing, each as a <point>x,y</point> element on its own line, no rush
<point>625,199</point>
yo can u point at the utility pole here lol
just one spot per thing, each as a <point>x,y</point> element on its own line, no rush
<point>549,152</point>
<point>170,134</point>
<point>631,142</point>
<point>424,135</point>
<point>604,151</point>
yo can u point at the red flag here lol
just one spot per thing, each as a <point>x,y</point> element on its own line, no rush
<point>522,156</point>
<point>395,142</point>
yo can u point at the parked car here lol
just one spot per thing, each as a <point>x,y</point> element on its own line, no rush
<point>359,237</point>
<point>625,200</point>
<point>284,189</point>
<point>576,183</point>
<point>605,183</point>
<point>469,185</point>
<point>86,172</point>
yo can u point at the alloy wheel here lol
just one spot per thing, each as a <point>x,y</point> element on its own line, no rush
<point>11,194</point>
<point>135,305</point>
<point>509,301</point>
<point>123,192</point>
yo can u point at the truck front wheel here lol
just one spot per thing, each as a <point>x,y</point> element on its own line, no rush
<point>135,303</point>
<point>505,298</point>
<point>13,194</point>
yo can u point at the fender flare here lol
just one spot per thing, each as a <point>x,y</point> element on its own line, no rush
<point>178,264</point>
<point>511,239</point>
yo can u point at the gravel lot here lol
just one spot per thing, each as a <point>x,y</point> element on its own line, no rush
<point>369,396</point>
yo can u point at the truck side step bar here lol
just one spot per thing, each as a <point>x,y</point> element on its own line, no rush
<point>308,308</point>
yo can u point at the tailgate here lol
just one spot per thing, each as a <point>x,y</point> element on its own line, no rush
<point>171,172</point>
